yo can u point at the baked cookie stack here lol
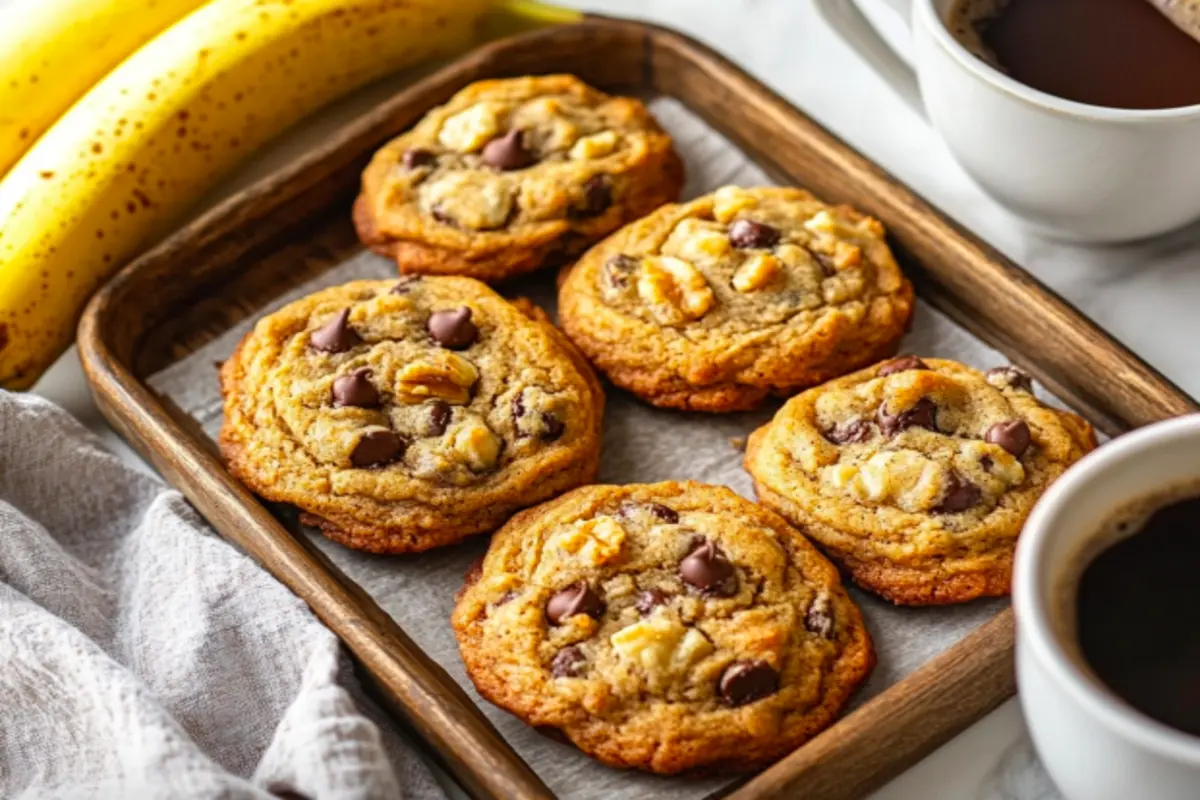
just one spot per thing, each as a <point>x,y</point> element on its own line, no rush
<point>674,627</point>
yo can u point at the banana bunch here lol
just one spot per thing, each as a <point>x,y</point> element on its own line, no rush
<point>119,167</point>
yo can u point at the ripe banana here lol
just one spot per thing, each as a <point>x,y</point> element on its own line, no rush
<point>149,139</point>
<point>53,51</point>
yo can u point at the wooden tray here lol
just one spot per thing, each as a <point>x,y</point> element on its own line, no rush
<point>259,238</point>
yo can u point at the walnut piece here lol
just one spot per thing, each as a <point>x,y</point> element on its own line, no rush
<point>469,130</point>
<point>729,200</point>
<point>757,272</point>
<point>597,145</point>
<point>674,290</point>
<point>475,444</point>
<point>595,541</point>
<point>661,645</point>
<point>443,375</point>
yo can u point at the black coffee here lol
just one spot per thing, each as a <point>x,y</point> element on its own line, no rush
<point>1138,616</point>
<point>1115,53</point>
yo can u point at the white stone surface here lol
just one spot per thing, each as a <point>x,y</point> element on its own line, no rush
<point>1145,294</point>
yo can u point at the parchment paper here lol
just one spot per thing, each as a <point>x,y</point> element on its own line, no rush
<point>641,444</point>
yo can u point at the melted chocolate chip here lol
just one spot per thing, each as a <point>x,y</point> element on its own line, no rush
<point>405,284</point>
<point>747,233</point>
<point>597,197</point>
<point>578,598</point>
<point>508,151</point>
<point>819,619</point>
<point>568,662</point>
<point>439,417</point>
<point>986,463</point>
<point>661,512</point>
<point>744,682</point>
<point>355,390</point>
<point>453,328</point>
<point>961,495</point>
<point>708,570</point>
<point>1012,435</point>
<point>552,427</point>
<point>902,364</point>
<point>923,414</point>
<point>336,336</point>
<point>828,268</point>
<point>650,599</point>
<point>618,271</point>
<point>856,430</point>
<point>376,448</point>
<point>439,213</point>
<point>418,157</point>
<point>1012,377</point>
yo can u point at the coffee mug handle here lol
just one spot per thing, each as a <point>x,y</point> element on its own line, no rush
<point>849,22</point>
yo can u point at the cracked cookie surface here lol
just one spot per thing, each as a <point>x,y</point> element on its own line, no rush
<point>916,475</point>
<point>406,415</point>
<point>716,304</point>
<point>667,627</point>
<point>513,174</point>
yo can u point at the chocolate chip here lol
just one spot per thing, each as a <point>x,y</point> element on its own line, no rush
<point>439,213</point>
<point>960,495</point>
<point>649,600</point>
<point>337,336</point>
<point>747,233</point>
<point>453,328</point>
<point>744,682</point>
<point>418,157</point>
<point>902,364</point>
<point>617,271</point>
<point>819,619</point>
<point>552,427</point>
<point>439,417</point>
<point>355,390</point>
<point>1012,435</point>
<point>661,512</point>
<point>578,598</point>
<point>1011,377</point>
<point>708,570</point>
<point>825,262</point>
<point>376,448</point>
<point>986,463</point>
<point>405,284</point>
<point>856,430</point>
<point>923,414</point>
<point>568,662</point>
<point>597,197</point>
<point>508,151</point>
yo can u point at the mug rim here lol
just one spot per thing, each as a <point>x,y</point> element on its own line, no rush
<point>1031,604</point>
<point>1048,102</point>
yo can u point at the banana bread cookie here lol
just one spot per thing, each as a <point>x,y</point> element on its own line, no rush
<point>667,627</point>
<point>716,304</point>
<point>514,174</point>
<point>406,415</point>
<point>916,475</point>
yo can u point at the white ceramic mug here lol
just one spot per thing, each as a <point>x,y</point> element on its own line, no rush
<point>1070,170</point>
<point>1094,745</point>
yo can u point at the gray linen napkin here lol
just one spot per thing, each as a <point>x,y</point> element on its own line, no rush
<point>143,657</point>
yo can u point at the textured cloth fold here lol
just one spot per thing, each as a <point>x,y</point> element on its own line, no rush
<point>143,657</point>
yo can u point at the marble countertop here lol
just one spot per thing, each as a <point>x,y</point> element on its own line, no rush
<point>1146,295</point>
